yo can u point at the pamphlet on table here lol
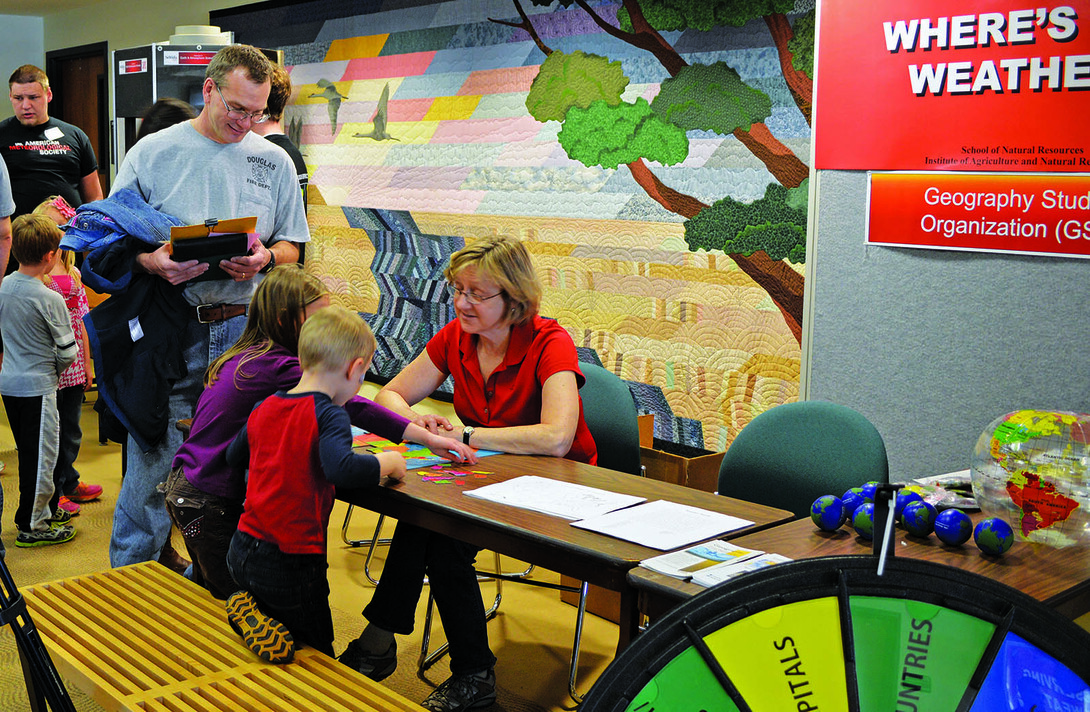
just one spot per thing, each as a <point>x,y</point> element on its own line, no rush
<point>729,569</point>
<point>683,564</point>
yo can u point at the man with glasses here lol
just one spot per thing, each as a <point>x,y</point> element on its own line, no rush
<point>211,167</point>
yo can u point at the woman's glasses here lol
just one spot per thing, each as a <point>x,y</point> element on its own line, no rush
<point>473,299</point>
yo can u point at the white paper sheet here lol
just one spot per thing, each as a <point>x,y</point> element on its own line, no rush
<point>663,525</point>
<point>560,499</point>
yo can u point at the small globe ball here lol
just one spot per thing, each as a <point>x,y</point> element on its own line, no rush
<point>852,499</point>
<point>903,499</point>
<point>863,520</point>
<point>828,513</point>
<point>869,489</point>
<point>993,536</point>
<point>918,518</point>
<point>953,527</point>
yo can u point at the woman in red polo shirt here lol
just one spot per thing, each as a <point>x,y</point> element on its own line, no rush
<point>516,388</point>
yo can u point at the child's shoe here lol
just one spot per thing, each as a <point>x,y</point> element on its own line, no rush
<point>60,516</point>
<point>68,505</point>
<point>55,534</point>
<point>264,635</point>
<point>85,493</point>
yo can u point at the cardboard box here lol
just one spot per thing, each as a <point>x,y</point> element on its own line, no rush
<point>682,465</point>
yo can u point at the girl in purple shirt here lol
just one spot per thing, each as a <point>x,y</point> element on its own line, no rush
<point>204,495</point>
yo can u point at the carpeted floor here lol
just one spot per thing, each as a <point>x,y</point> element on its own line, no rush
<point>531,636</point>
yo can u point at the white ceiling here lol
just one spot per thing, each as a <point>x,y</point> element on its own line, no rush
<point>42,8</point>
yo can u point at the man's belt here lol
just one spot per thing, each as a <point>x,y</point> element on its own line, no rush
<point>209,313</point>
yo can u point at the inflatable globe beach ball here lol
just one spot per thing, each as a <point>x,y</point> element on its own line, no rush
<point>1031,468</point>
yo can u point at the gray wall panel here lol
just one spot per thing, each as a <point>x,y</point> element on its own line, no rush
<point>932,345</point>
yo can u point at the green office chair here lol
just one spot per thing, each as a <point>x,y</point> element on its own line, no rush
<point>610,413</point>
<point>792,454</point>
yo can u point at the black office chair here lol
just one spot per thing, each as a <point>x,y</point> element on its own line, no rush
<point>793,453</point>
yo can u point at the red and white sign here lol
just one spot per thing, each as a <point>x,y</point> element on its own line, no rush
<point>968,85</point>
<point>173,57</point>
<point>132,66</point>
<point>1026,214</point>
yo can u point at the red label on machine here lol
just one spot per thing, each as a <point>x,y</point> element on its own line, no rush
<point>132,66</point>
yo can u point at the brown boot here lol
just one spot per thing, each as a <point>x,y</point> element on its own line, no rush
<point>171,559</point>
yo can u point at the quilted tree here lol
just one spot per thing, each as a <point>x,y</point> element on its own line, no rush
<point>583,92</point>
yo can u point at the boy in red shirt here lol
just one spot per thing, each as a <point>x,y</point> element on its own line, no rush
<point>298,446</point>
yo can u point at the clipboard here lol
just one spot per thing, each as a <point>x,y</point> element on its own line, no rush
<point>212,241</point>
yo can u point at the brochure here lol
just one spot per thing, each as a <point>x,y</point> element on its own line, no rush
<point>684,564</point>
<point>721,572</point>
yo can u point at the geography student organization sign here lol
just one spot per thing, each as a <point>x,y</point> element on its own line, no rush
<point>954,87</point>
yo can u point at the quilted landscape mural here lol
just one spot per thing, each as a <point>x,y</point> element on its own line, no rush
<point>650,153</point>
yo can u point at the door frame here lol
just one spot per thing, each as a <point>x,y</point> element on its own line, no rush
<point>56,84</point>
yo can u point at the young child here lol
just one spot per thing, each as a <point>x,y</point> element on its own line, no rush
<point>64,279</point>
<point>38,346</point>
<point>204,493</point>
<point>298,445</point>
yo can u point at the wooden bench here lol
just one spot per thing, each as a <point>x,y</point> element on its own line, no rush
<point>141,637</point>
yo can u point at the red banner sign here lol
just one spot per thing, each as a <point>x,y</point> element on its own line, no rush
<point>1037,215</point>
<point>975,85</point>
<point>132,66</point>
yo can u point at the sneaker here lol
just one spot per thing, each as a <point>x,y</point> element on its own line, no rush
<point>264,635</point>
<point>376,667</point>
<point>85,493</point>
<point>60,516</point>
<point>55,534</point>
<point>463,692</point>
<point>68,505</point>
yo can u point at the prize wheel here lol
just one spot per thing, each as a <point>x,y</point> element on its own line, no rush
<point>831,635</point>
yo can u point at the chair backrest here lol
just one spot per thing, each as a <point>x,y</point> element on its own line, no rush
<point>610,413</point>
<point>792,454</point>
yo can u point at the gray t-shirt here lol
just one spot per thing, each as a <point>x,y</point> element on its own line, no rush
<point>7,203</point>
<point>38,340</point>
<point>182,173</point>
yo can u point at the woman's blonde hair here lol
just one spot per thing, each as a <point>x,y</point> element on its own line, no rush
<point>506,261</point>
<point>334,338</point>
<point>275,317</point>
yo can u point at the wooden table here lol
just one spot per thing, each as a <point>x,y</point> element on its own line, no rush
<point>541,539</point>
<point>1059,578</point>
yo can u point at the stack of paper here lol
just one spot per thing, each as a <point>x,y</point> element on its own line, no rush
<point>729,569</point>
<point>684,564</point>
<point>663,525</point>
<point>560,499</point>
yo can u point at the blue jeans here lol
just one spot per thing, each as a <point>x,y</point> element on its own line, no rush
<point>448,564</point>
<point>292,588</point>
<point>141,523</point>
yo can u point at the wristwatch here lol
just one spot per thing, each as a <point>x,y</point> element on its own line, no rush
<point>272,263</point>
<point>467,431</point>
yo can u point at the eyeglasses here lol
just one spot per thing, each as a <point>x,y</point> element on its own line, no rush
<point>473,299</point>
<point>257,117</point>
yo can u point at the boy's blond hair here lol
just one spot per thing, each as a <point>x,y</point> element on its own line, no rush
<point>333,338</point>
<point>33,237</point>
